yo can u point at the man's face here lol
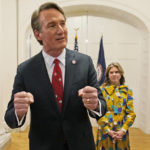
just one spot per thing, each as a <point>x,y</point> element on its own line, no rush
<point>53,32</point>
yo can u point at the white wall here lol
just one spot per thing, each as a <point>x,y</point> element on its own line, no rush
<point>8,52</point>
<point>0,54</point>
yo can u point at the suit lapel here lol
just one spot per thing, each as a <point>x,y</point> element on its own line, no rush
<point>68,76</point>
<point>45,84</point>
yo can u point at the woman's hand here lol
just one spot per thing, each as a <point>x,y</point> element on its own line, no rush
<point>119,134</point>
<point>112,133</point>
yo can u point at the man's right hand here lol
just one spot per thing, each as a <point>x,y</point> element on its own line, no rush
<point>22,101</point>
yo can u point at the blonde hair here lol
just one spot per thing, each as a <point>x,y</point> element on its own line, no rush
<point>120,69</point>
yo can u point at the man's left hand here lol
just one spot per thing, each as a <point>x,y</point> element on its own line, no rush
<point>89,97</point>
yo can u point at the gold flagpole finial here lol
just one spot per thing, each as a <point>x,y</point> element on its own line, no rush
<point>76,30</point>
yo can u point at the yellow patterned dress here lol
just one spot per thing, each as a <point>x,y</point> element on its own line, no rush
<point>120,115</point>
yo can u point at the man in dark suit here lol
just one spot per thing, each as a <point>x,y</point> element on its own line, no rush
<point>62,125</point>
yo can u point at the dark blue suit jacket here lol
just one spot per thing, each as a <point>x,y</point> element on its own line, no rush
<point>49,127</point>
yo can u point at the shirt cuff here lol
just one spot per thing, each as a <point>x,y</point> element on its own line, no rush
<point>19,122</point>
<point>99,111</point>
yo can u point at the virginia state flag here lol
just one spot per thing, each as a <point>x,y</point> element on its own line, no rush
<point>101,65</point>
<point>76,43</point>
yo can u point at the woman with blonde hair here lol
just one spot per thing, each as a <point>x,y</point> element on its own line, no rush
<point>113,131</point>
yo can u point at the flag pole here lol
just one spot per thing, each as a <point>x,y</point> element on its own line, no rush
<point>76,30</point>
<point>76,39</point>
<point>86,41</point>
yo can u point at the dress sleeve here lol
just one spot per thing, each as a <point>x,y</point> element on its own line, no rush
<point>130,114</point>
<point>104,126</point>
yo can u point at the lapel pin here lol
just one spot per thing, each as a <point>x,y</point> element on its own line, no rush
<point>73,62</point>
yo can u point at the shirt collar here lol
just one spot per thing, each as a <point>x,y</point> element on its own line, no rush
<point>49,59</point>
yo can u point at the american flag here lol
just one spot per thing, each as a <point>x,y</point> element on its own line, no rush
<point>76,43</point>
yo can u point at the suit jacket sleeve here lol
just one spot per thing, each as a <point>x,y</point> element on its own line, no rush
<point>10,116</point>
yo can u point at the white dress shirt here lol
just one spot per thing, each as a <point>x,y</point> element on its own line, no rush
<point>50,65</point>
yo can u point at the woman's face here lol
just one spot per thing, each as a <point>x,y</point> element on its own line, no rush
<point>114,76</point>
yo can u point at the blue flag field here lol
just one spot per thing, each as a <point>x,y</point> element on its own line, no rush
<point>101,65</point>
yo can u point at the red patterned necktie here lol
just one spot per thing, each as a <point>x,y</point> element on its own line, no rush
<point>57,83</point>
